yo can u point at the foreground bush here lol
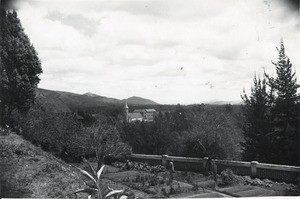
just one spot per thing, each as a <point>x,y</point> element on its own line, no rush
<point>106,143</point>
<point>64,136</point>
<point>228,177</point>
<point>130,165</point>
<point>58,133</point>
<point>95,187</point>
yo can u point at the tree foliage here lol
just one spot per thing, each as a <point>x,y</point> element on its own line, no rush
<point>257,145</point>
<point>105,141</point>
<point>272,115</point>
<point>215,133</point>
<point>58,133</point>
<point>285,111</point>
<point>19,66</point>
<point>189,131</point>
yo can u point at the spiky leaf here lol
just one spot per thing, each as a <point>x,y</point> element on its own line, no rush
<point>87,190</point>
<point>100,172</point>
<point>113,193</point>
<point>91,168</point>
<point>85,173</point>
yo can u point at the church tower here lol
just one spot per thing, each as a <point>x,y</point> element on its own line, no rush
<point>126,111</point>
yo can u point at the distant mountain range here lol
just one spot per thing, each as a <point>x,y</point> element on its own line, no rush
<point>58,101</point>
<point>219,102</point>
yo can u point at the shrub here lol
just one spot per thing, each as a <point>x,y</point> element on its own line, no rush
<point>58,133</point>
<point>228,177</point>
<point>5,131</point>
<point>105,141</point>
<point>140,166</point>
<point>95,188</point>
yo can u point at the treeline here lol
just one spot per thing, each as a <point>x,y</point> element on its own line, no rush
<point>272,116</point>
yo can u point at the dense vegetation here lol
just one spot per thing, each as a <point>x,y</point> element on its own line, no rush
<point>272,116</point>
<point>195,131</point>
<point>19,66</point>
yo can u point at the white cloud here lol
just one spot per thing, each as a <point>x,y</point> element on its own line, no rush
<point>162,50</point>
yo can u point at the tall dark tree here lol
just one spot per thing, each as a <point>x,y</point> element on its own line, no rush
<point>285,110</point>
<point>272,116</point>
<point>19,65</point>
<point>163,138</point>
<point>179,121</point>
<point>256,111</point>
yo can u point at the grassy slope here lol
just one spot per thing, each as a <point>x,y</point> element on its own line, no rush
<point>28,171</point>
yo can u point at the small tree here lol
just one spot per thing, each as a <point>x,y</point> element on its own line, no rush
<point>106,142</point>
<point>214,133</point>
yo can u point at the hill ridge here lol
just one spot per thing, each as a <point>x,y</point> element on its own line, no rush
<point>58,101</point>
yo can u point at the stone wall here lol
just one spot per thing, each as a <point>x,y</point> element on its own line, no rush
<point>280,173</point>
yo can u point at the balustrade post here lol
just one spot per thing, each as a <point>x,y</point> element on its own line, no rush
<point>205,159</point>
<point>298,179</point>
<point>164,160</point>
<point>253,168</point>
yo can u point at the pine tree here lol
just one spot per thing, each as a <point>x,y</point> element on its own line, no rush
<point>285,110</point>
<point>256,126</point>
<point>19,66</point>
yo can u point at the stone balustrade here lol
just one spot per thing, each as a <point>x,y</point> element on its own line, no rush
<point>280,173</point>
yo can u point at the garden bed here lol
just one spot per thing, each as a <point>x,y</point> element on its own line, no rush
<point>164,183</point>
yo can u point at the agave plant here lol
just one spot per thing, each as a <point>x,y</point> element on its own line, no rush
<point>94,188</point>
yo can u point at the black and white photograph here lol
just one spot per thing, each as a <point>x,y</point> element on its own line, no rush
<point>133,99</point>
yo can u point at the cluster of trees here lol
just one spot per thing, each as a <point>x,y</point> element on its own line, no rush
<point>159,136</point>
<point>271,116</point>
<point>215,133</point>
<point>193,131</point>
<point>58,133</point>
<point>69,138</point>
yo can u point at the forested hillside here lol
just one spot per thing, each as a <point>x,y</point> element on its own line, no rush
<point>60,101</point>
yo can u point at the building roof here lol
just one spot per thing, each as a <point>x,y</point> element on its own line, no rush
<point>138,110</point>
<point>135,116</point>
<point>150,110</point>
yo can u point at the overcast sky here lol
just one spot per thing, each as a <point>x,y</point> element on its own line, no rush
<point>165,50</point>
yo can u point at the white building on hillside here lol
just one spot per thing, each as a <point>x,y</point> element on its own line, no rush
<point>146,115</point>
